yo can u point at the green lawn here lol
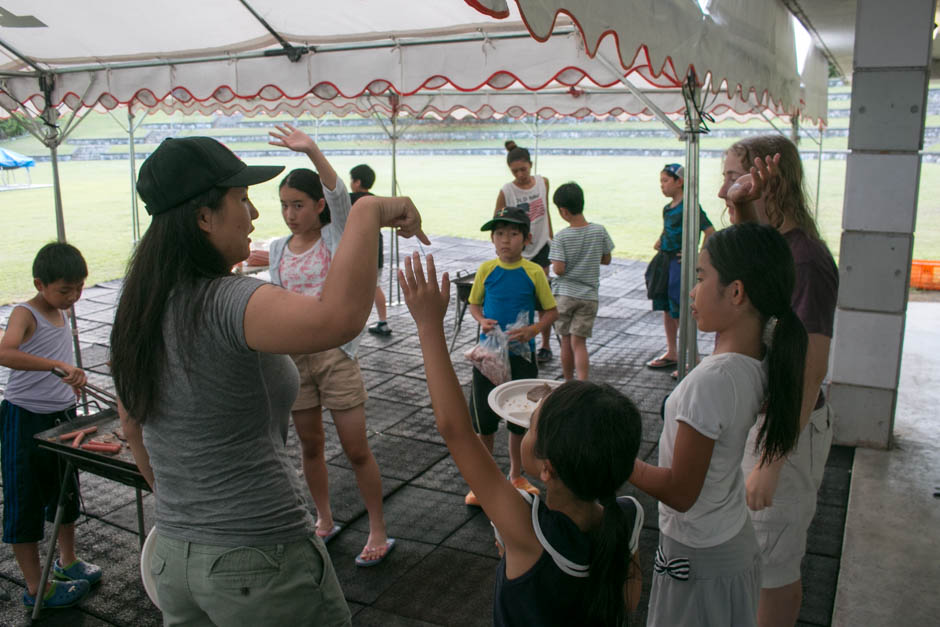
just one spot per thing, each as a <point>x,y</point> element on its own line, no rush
<point>454,194</point>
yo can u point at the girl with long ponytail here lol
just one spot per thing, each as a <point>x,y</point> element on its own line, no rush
<point>570,559</point>
<point>707,568</point>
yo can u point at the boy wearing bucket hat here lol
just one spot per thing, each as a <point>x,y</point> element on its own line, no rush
<point>502,289</point>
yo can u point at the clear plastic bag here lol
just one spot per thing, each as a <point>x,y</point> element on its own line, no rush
<point>491,356</point>
<point>520,349</point>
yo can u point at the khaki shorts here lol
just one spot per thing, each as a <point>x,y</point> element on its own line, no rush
<point>781,528</point>
<point>575,316</point>
<point>330,379</point>
<point>284,584</point>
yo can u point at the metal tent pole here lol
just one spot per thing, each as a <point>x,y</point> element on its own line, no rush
<point>819,158</point>
<point>50,115</point>
<point>538,134</point>
<point>688,331</point>
<point>135,216</point>
<point>393,239</point>
<point>52,137</point>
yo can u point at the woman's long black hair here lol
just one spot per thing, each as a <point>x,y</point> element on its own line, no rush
<point>591,435</point>
<point>759,257</point>
<point>173,255</point>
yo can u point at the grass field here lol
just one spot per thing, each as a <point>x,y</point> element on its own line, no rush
<point>454,194</point>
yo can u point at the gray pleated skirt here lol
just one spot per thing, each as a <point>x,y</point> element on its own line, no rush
<point>714,587</point>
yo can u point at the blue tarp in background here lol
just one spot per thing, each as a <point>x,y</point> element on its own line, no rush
<point>10,160</point>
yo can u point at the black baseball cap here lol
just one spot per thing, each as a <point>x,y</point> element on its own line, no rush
<point>182,168</point>
<point>515,215</point>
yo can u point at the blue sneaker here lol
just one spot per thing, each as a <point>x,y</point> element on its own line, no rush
<point>77,570</point>
<point>60,594</point>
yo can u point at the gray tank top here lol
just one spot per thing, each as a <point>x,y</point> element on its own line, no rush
<point>40,391</point>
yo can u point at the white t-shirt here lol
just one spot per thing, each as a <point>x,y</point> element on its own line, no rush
<point>535,201</point>
<point>720,399</point>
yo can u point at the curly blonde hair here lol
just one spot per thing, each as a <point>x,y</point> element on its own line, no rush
<point>787,197</point>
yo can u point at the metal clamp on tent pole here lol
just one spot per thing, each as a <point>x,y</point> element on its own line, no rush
<point>289,50</point>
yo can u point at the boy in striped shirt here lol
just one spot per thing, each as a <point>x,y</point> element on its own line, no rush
<point>577,253</point>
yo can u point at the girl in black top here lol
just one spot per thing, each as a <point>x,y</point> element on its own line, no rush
<point>570,559</point>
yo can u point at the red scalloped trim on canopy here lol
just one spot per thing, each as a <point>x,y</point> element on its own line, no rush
<point>568,75</point>
<point>499,15</point>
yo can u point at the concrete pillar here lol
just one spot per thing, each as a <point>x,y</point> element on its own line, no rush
<point>886,128</point>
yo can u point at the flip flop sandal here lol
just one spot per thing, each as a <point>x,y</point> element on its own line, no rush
<point>660,364</point>
<point>332,534</point>
<point>363,562</point>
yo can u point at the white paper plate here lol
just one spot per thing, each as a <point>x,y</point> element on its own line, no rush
<point>510,403</point>
<point>149,584</point>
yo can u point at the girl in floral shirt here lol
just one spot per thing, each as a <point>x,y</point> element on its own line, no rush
<point>315,208</point>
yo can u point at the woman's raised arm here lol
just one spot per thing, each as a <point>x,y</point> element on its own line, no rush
<point>280,321</point>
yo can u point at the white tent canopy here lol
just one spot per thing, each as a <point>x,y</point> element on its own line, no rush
<point>110,53</point>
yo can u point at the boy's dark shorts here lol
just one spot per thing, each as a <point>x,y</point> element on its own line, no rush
<point>671,304</point>
<point>541,257</point>
<point>31,477</point>
<point>485,420</point>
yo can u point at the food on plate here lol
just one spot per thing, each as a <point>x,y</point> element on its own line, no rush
<point>538,392</point>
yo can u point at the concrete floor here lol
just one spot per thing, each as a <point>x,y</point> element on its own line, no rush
<point>443,568</point>
<point>891,554</point>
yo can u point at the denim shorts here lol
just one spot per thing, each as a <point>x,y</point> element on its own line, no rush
<point>277,585</point>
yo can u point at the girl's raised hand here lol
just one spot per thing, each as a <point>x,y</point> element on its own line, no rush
<point>426,301</point>
<point>286,136</point>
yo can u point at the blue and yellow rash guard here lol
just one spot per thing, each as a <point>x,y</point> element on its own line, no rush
<point>505,289</point>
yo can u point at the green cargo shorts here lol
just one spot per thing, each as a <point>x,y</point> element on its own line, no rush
<point>278,585</point>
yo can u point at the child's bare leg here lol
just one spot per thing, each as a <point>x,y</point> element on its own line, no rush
<point>27,557</point>
<point>380,308</point>
<point>515,455</point>
<point>567,358</point>
<point>581,365</point>
<point>489,441</point>
<point>780,607</point>
<point>67,544</point>
<point>309,426</point>
<point>671,326</point>
<point>351,427</point>
<point>547,332</point>
<point>547,338</point>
